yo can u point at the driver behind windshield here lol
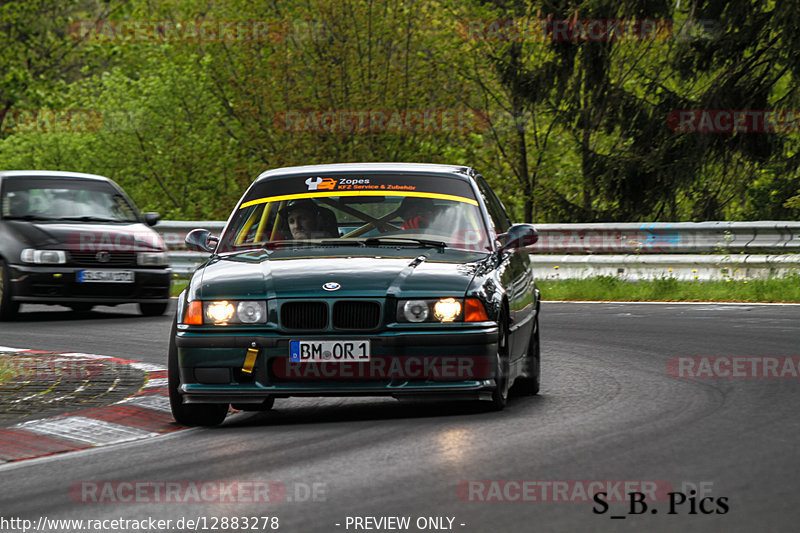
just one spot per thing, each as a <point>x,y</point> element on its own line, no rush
<point>306,220</point>
<point>18,203</point>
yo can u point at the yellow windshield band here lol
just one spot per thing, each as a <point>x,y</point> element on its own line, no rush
<point>359,193</point>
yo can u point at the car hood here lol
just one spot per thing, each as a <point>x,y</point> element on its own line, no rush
<point>88,237</point>
<point>410,273</point>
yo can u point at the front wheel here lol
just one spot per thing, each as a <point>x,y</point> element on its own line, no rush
<point>530,383</point>
<point>8,307</point>
<point>203,414</point>
<point>500,393</point>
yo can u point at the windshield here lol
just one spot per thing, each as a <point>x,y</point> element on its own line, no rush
<point>376,209</point>
<point>64,199</point>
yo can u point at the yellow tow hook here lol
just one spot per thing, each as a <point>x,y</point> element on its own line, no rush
<point>250,360</point>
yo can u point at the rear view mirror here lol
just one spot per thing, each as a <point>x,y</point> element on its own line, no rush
<point>201,240</point>
<point>151,219</point>
<point>518,236</point>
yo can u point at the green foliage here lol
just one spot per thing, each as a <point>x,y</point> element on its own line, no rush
<point>566,131</point>
<point>7,369</point>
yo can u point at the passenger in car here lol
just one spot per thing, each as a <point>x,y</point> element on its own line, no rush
<point>417,213</point>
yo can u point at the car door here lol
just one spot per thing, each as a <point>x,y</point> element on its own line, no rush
<point>515,276</point>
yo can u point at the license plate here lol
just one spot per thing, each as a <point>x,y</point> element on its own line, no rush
<point>105,276</point>
<point>329,351</point>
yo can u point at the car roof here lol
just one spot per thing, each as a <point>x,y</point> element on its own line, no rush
<point>458,171</point>
<point>49,174</point>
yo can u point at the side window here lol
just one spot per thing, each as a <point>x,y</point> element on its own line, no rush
<point>495,207</point>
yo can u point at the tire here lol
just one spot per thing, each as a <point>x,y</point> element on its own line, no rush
<point>8,307</point>
<point>529,385</point>
<point>81,307</point>
<point>153,309</point>
<point>500,393</point>
<point>203,414</point>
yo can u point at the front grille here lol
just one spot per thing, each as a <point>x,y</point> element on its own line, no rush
<point>115,259</point>
<point>304,315</point>
<point>356,315</point>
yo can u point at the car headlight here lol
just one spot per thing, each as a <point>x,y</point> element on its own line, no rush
<point>152,259</point>
<point>251,312</point>
<point>441,310</point>
<point>415,311</point>
<point>43,257</point>
<point>447,310</point>
<point>224,312</point>
<point>219,312</point>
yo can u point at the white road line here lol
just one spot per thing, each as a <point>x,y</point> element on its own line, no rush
<point>159,402</point>
<point>87,430</point>
<point>87,355</point>
<point>664,303</point>
<point>157,382</point>
<point>148,367</point>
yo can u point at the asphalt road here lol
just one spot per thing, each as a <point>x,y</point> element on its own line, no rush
<point>609,411</point>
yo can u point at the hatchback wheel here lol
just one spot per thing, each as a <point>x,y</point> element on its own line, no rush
<point>152,309</point>
<point>8,307</point>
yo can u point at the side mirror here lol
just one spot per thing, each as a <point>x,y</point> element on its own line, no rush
<point>518,236</point>
<point>201,240</point>
<point>151,219</point>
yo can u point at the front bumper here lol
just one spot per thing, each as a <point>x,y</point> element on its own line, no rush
<point>59,284</point>
<point>457,363</point>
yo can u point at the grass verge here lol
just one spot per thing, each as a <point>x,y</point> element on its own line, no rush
<point>177,285</point>
<point>610,288</point>
<point>7,370</point>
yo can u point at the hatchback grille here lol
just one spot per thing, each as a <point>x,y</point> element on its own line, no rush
<point>106,259</point>
<point>356,315</point>
<point>304,315</point>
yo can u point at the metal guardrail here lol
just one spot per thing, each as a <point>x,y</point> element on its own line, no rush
<point>669,237</point>
<point>630,250</point>
<point>681,267</point>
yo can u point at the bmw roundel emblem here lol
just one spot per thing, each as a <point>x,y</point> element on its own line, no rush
<point>331,286</point>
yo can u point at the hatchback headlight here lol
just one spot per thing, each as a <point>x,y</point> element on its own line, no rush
<point>43,257</point>
<point>152,259</point>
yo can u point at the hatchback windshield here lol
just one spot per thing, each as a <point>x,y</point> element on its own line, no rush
<point>364,208</point>
<point>64,199</point>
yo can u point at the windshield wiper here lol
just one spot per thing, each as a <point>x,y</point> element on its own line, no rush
<point>90,218</point>
<point>28,217</point>
<point>341,243</point>
<point>309,244</point>
<point>372,241</point>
